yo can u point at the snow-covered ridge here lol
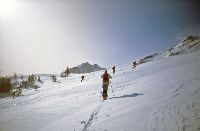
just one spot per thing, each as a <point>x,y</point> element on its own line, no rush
<point>85,68</point>
<point>187,45</point>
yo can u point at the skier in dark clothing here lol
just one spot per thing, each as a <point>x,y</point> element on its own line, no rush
<point>54,78</point>
<point>82,78</point>
<point>106,83</point>
<point>113,69</point>
<point>134,64</point>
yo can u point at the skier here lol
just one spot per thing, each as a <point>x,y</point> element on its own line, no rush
<point>82,78</point>
<point>54,78</point>
<point>67,72</point>
<point>106,83</point>
<point>113,68</point>
<point>134,64</point>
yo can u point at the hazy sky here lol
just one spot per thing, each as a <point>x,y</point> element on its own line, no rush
<point>46,36</point>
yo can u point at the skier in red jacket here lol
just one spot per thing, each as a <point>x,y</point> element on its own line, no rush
<point>106,83</point>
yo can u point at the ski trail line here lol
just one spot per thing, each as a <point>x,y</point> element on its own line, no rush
<point>92,116</point>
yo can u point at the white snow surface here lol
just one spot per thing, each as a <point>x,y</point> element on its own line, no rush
<point>161,95</point>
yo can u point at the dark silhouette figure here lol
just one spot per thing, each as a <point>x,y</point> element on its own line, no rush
<point>106,77</point>
<point>113,68</point>
<point>134,64</point>
<point>67,72</point>
<point>82,78</point>
<point>54,78</point>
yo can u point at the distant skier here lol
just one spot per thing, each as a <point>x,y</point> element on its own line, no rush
<point>54,78</point>
<point>134,64</point>
<point>82,78</point>
<point>67,72</point>
<point>113,68</point>
<point>106,83</point>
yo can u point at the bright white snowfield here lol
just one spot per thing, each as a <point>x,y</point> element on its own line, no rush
<point>160,95</point>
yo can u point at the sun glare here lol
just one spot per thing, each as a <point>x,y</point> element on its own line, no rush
<point>8,7</point>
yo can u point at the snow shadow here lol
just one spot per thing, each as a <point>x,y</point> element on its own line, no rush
<point>125,96</point>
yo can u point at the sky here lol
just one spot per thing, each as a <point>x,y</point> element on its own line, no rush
<point>46,36</point>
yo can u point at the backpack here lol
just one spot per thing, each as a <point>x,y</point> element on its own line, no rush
<point>105,78</point>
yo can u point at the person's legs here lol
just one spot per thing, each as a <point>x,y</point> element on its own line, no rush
<point>105,90</point>
<point>104,95</point>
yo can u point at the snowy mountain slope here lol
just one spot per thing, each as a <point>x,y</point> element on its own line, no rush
<point>161,95</point>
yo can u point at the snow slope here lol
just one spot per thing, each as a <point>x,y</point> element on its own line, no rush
<point>160,95</point>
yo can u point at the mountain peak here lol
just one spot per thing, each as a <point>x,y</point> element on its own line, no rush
<point>85,68</point>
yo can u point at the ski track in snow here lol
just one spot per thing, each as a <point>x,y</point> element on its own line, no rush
<point>92,116</point>
<point>171,117</point>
